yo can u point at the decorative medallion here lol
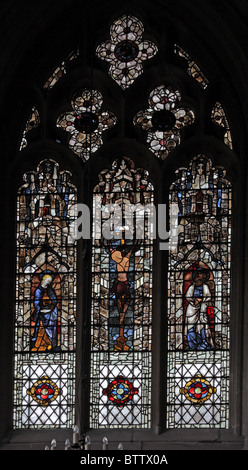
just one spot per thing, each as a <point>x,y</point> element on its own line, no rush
<point>120,391</point>
<point>198,390</point>
<point>44,391</point>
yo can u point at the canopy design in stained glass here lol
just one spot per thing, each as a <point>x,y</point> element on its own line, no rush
<point>45,321</point>
<point>121,314</point>
<point>199,298</point>
<point>86,122</point>
<point>126,50</point>
<point>164,119</point>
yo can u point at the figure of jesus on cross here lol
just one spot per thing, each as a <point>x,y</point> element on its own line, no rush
<point>121,287</point>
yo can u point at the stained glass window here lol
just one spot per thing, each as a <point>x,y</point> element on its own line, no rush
<point>60,70</point>
<point>86,122</point>
<point>199,298</point>
<point>197,366</point>
<point>45,318</point>
<point>32,122</point>
<point>164,119</point>
<point>218,116</point>
<point>121,315</point>
<point>193,69</point>
<point>126,50</point>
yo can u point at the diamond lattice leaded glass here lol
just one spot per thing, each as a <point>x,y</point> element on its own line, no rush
<point>199,298</point>
<point>121,316</point>
<point>126,50</point>
<point>45,328</point>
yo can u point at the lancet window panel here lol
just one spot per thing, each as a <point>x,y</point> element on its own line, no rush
<point>45,321</point>
<point>121,318</point>
<point>199,298</point>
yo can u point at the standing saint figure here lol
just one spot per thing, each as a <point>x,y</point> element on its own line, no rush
<point>121,288</point>
<point>45,316</point>
<point>198,295</point>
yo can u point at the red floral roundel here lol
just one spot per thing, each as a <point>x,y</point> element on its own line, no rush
<point>120,391</point>
<point>44,391</point>
<point>198,390</point>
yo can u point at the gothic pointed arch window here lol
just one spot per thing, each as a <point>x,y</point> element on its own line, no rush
<point>199,298</point>
<point>121,318</point>
<point>111,331</point>
<point>45,322</point>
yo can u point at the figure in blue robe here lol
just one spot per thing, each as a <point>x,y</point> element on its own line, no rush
<point>197,324</point>
<point>45,316</point>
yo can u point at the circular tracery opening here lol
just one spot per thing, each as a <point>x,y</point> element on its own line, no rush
<point>163,120</point>
<point>87,122</point>
<point>126,51</point>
